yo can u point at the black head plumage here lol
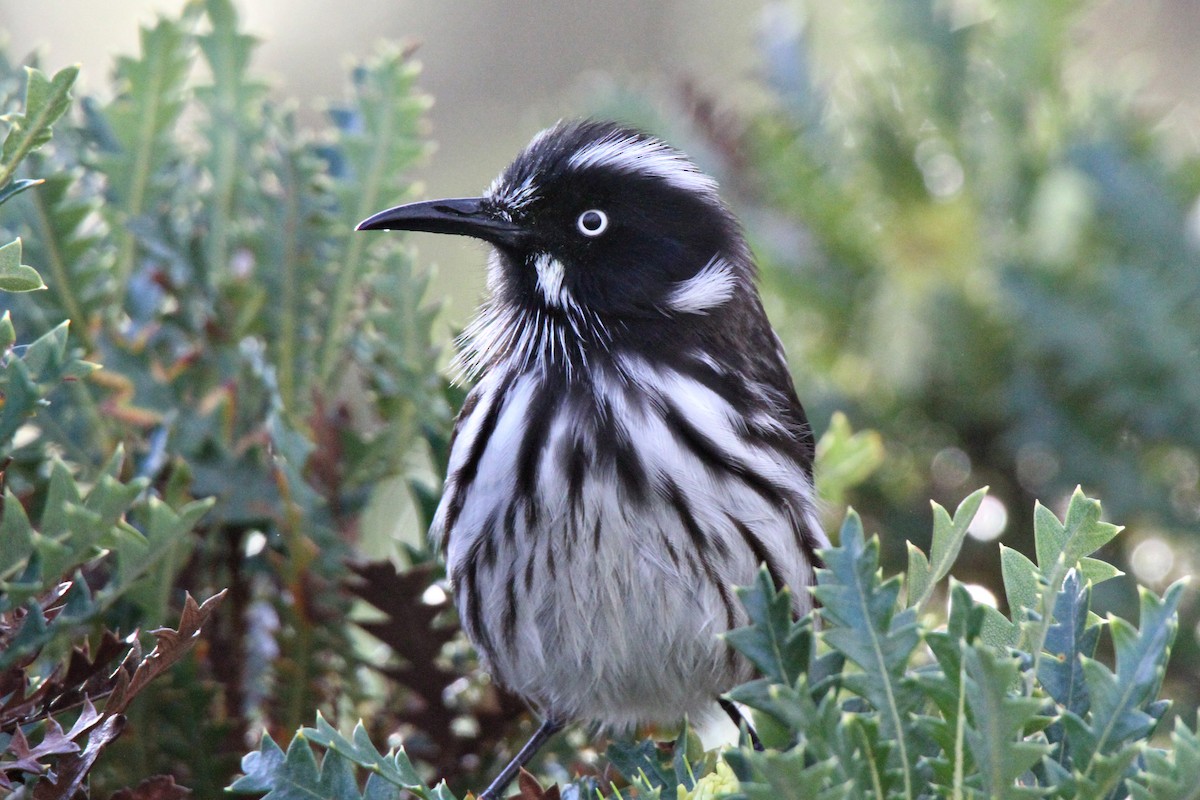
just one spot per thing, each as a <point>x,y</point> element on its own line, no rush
<point>601,219</point>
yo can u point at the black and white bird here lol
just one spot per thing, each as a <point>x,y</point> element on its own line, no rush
<point>633,447</point>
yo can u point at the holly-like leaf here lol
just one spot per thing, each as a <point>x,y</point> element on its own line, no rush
<point>394,767</point>
<point>72,771</point>
<point>1070,640</point>
<point>170,646</point>
<point>1123,707</point>
<point>297,775</point>
<point>775,643</point>
<point>787,776</point>
<point>999,750</point>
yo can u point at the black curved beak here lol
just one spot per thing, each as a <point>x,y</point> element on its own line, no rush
<point>462,216</point>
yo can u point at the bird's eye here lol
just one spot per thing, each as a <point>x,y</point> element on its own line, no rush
<point>592,222</point>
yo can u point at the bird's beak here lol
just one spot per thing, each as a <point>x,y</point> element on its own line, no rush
<point>463,216</point>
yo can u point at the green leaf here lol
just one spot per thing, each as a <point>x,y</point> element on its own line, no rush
<point>1171,774</point>
<point>948,536</point>
<point>773,642</point>
<point>999,718</point>
<point>15,276</point>
<point>380,138</point>
<point>1020,583</point>
<point>1121,707</point>
<point>860,610</point>
<point>16,537</point>
<point>1060,549</point>
<point>639,760</point>
<point>845,458</point>
<point>137,131</point>
<point>8,334</point>
<point>947,688</point>
<point>1096,571</point>
<point>393,767</point>
<point>46,99</point>
<point>786,776</point>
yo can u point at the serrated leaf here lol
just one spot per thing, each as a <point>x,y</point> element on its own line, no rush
<point>786,776</point>
<point>394,767</point>
<point>1121,700</point>
<point>948,536</point>
<point>379,135</point>
<point>860,610</point>
<point>46,99</point>
<point>16,537</point>
<point>135,131</point>
<point>294,775</point>
<point>773,642</point>
<point>1171,774</point>
<point>15,276</point>
<point>998,720</point>
<point>639,760</point>
<point>1070,639</point>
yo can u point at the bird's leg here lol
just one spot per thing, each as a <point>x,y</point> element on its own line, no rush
<point>547,729</point>
<point>736,715</point>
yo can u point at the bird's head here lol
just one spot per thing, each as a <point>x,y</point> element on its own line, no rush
<point>601,228</point>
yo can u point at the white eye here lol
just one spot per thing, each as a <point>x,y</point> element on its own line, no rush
<point>592,222</point>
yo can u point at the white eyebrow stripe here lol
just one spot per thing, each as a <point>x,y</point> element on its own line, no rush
<point>712,286</point>
<point>648,157</point>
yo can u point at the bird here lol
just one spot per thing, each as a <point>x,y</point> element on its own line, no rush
<point>633,446</point>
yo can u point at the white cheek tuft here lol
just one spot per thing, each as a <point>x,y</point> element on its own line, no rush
<point>550,280</point>
<point>707,289</point>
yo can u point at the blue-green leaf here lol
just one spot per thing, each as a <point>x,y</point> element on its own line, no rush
<point>773,642</point>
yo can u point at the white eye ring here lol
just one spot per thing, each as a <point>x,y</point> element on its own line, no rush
<point>592,222</point>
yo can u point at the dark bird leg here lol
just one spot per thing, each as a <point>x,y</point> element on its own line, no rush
<point>738,719</point>
<point>544,732</point>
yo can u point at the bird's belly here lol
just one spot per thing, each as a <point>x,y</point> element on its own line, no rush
<point>619,626</point>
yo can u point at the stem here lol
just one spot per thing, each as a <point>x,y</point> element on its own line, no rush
<point>224,152</point>
<point>960,727</point>
<point>876,780</point>
<point>58,269</point>
<point>97,422</point>
<point>287,341</point>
